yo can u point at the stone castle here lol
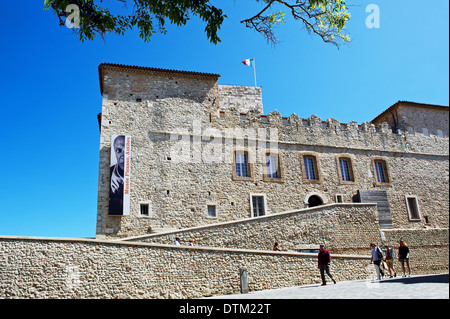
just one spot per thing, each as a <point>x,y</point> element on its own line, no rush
<point>182,156</point>
<point>204,153</point>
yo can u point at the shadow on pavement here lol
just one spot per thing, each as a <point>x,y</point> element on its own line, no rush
<point>442,279</point>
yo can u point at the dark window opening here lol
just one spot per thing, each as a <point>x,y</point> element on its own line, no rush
<point>212,211</point>
<point>413,208</point>
<point>145,209</point>
<point>315,201</point>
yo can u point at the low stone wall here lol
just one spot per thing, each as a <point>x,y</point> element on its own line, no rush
<point>429,249</point>
<point>75,268</point>
<point>343,228</point>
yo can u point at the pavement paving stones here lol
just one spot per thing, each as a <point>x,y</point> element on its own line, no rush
<point>415,287</point>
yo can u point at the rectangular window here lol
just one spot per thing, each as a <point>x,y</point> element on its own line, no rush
<point>380,168</point>
<point>346,170</point>
<point>310,168</point>
<point>145,211</point>
<point>272,166</point>
<point>413,208</point>
<point>258,206</point>
<point>212,211</point>
<point>241,159</point>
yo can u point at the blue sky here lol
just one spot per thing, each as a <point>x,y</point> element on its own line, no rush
<point>50,94</point>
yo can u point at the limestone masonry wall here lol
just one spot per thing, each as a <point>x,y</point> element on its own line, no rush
<point>71,268</point>
<point>429,249</point>
<point>241,98</point>
<point>343,228</point>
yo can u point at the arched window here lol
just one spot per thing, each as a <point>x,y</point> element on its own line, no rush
<point>315,201</point>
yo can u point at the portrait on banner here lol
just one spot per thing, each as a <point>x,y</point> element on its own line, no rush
<point>119,191</point>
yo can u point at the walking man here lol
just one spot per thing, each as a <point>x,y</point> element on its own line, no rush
<point>377,259</point>
<point>324,259</point>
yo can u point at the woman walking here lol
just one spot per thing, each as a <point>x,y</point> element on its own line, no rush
<point>403,256</point>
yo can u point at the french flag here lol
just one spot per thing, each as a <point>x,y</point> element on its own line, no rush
<point>248,62</point>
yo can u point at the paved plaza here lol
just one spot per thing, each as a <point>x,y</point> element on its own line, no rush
<point>415,287</point>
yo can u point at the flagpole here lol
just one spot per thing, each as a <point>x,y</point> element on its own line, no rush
<point>254,70</point>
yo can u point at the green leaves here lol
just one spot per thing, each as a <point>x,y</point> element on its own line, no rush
<point>325,18</point>
<point>149,16</point>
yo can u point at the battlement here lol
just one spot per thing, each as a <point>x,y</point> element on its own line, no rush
<point>316,132</point>
<point>168,102</point>
<point>178,98</point>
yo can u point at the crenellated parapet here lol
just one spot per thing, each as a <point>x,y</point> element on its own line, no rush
<point>314,131</point>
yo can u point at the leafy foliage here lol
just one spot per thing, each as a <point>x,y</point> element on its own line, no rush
<point>325,18</point>
<point>149,16</point>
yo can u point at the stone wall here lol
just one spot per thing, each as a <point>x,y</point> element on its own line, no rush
<point>431,119</point>
<point>241,98</point>
<point>180,191</point>
<point>75,268</point>
<point>414,117</point>
<point>429,249</point>
<point>343,228</point>
<point>143,104</point>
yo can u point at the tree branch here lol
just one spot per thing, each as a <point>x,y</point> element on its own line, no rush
<point>321,21</point>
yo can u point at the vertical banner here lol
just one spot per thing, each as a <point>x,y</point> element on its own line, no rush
<point>119,191</point>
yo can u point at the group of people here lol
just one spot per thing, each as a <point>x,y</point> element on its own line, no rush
<point>380,256</point>
<point>177,242</point>
<point>387,256</point>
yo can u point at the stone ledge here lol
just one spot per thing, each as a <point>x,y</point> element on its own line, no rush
<point>164,246</point>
